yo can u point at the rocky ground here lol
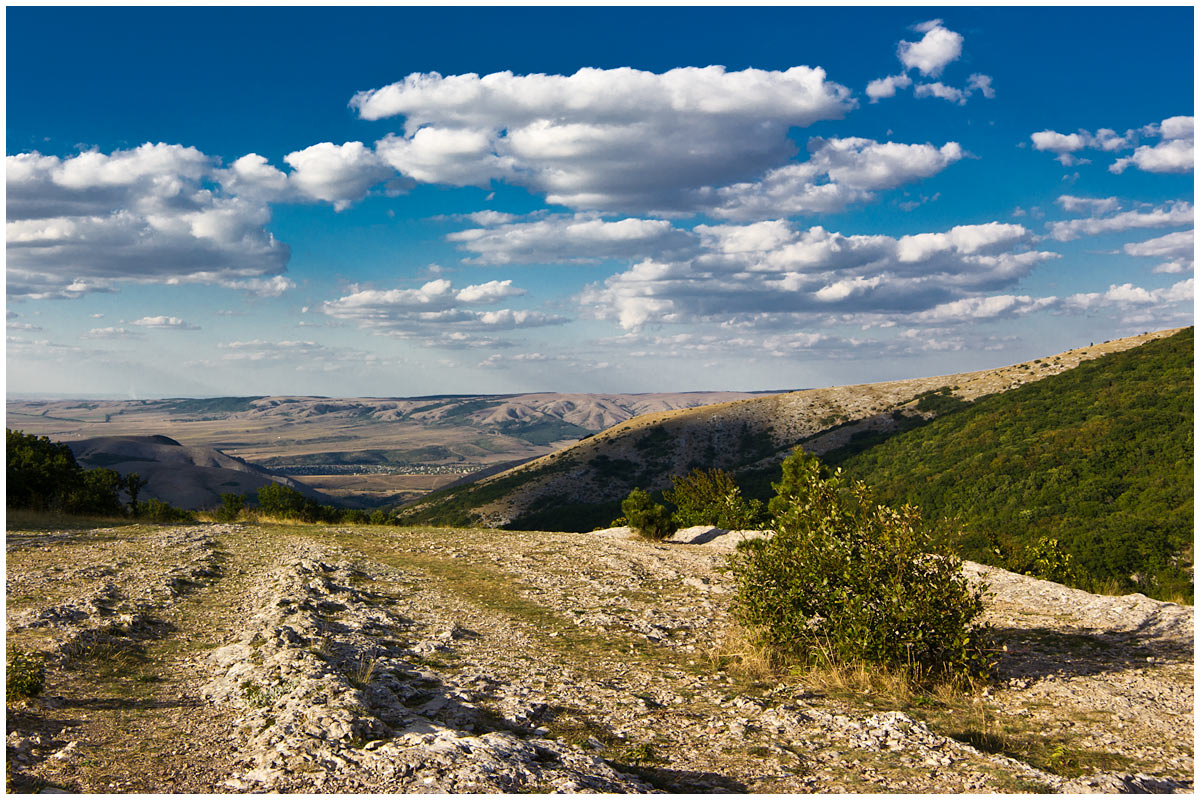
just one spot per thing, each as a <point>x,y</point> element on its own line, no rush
<point>233,658</point>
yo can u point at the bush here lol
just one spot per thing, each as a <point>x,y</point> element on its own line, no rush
<point>647,518</point>
<point>845,580</point>
<point>378,517</point>
<point>231,507</point>
<point>24,675</point>
<point>97,491</point>
<point>278,500</point>
<point>159,511</point>
<point>711,497</point>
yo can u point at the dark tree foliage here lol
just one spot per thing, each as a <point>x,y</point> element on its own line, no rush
<point>41,473</point>
<point>1098,459</point>
<point>281,501</point>
<point>231,506</point>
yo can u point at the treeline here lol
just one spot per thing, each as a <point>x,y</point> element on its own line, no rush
<point>1086,476</point>
<point>43,476</point>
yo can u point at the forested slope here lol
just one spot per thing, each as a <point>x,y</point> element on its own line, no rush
<point>1099,457</point>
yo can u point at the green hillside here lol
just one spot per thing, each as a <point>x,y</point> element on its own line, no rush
<point>1099,457</point>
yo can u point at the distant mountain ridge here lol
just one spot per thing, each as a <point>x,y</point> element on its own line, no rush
<point>284,432</point>
<point>580,487</point>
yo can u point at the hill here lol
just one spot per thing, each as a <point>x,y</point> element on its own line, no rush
<point>331,659</point>
<point>365,451</point>
<point>185,477</point>
<point>580,487</point>
<point>1100,458</point>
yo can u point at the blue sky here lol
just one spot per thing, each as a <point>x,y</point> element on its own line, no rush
<point>392,201</point>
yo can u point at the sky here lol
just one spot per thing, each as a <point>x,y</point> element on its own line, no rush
<point>414,201</point>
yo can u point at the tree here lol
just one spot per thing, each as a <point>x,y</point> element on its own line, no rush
<point>40,472</point>
<point>647,518</point>
<point>845,579</point>
<point>133,483</point>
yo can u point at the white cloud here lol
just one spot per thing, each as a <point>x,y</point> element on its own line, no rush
<point>85,223</point>
<point>1126,295</point>
<point>578,238</point>
<point>939,89</point>
<point>1173,154</point>
<point>110,333</point>
<point>986,307</point>
<point>1172,214</point>
<point>937,48</point>
<point>837,173</point>
<point>982,83</point>
<point>436,311</point>
<point>1178,249</point>
<point>887,86</point>
<point>166,323</point>
<point>613,140</point>
<point>771,274</point>
<point>337,174</point>
<point>1094,205</point>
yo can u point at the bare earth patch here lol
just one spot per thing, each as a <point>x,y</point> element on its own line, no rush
<point>212,658</point>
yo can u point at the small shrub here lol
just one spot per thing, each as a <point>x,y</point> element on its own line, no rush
<point>711,497</point>
<point>231,507</point>
<point>1045,559</point>
<point>24,674</point>
<point>847,580</point>
<point>379,517</point>
<point>647,518</point>
<point>159,511</point>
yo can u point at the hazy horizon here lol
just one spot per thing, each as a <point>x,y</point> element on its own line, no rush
<point>421,201</point>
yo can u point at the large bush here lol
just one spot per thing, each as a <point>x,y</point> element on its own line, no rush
<point>845,579</point>
<point>647,518</point>
<point>711,497</point>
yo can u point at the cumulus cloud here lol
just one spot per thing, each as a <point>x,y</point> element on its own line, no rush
<point>837,173</point>
<point>621,140</point>
<point>165,323</point>
<point>937,48</point>
<point>929,56</point>
<point>81,224</point>
<point>1126,295</point>
<point>772,274</point>
<point>1173,154</point>
<point>578,239</point>
<point>436,311</point>
<point>1178,249</point>
<point>1173,214</point>
<point>970,309</point>
<point>337,174</point>
<point>887,86</point>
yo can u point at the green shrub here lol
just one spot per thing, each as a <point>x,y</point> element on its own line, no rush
<point>711,497</point>
<point>647,518</point>
<point>282,501</point>
<point>24,674</point>
<point>97,491</point>
<point>355,516</point>
<point>160,511</point>
<point>845,580</point>
<point>231,507</point>
<point>378,517</point>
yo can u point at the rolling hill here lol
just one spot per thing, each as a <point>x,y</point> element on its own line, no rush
<point>1099,458</point>
<point>580,487</point>
<point>185,477</point>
